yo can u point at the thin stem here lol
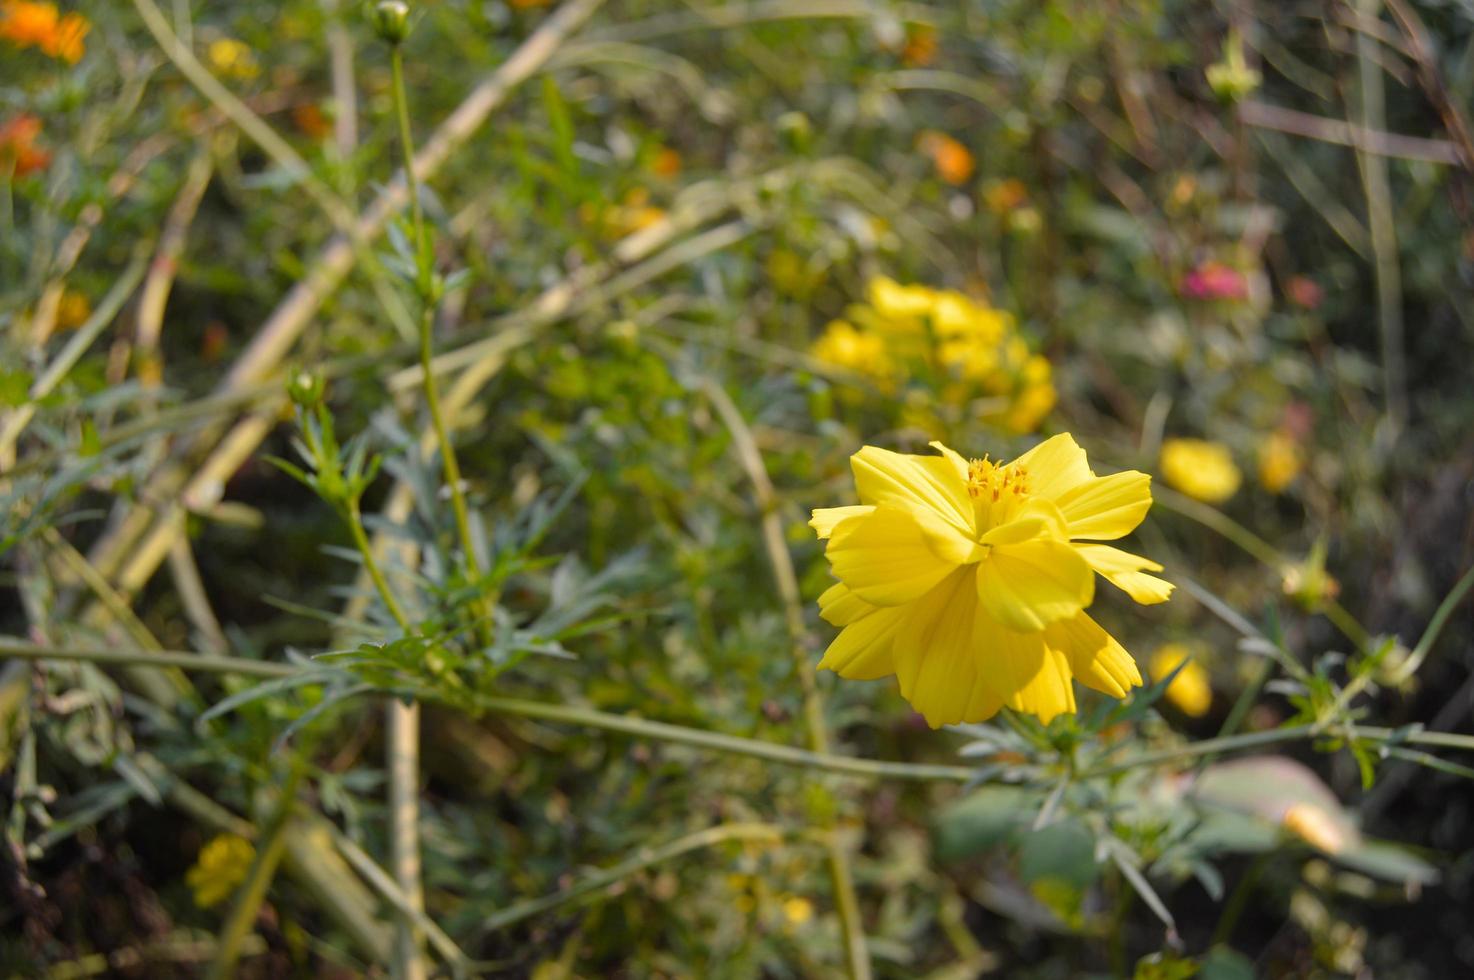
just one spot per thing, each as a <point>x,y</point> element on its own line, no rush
<point>1435,625</point>
<point>426,284</point>
<point>644,858</point>
<point>354,518</point>
<point>1387,273</point>
<point>715,741</point>
<point>1216,520</point>
<point>22,650</point>
<point>402,755</point>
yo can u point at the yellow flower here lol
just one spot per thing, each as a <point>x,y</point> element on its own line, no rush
<point>968,580</point>
<point>904,305</point>
<point>72,310</point>
<point>634,213</point>
<point>1315,826</point>
<point>1190,691</point>
<point>797,910</point>
<point>222,865</point>
<point>233,59</point>
<point>1034,400</point>
<point>842,346</point>
<point>1280,461</point>
<point>1203,470</point>
<point>27,24</point>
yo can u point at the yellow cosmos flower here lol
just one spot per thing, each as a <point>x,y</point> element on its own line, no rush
<point>900,304</point>
<point>845,347</point>
<point>797,910</point>
<point>1280,461</point>
<point>233,59</point>
<point>222,865</point>
<point>1201,469</point>
<point>968,580</point>
<point>1190,690</point>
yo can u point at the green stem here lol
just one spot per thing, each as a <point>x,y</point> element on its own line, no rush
<point>425,267</point>
<point>22,650</point>
<point>736,745</point>
<point>354,518</point>
<point>644,858</point>
<point>1435,625</point>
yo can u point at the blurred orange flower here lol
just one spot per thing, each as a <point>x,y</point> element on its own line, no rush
<point>1002,196</point>
<point>921,47</point>
<point>667,163</point>
<point>953,161</point>
<point>309,119</point>
<point>26,24</point>
<point>18,152</point>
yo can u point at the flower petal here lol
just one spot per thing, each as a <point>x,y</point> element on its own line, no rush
<point>824,519</point>
<point>931,482</point>
<point>841,607</point>
<point>1094,656</point>
<point>938,662</point>
<point>1127,572</point>
<point>884,557</point>
<point>1107,507</point>
<point>1028,585</point>
<point>862,650</point>
<point>1024,672</point>
<point>1055,465</point>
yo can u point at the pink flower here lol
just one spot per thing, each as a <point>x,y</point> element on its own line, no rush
<point>1215,280</point>
<point>1305,293</point>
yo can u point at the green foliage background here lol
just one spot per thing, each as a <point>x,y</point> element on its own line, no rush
<point>626,568</point>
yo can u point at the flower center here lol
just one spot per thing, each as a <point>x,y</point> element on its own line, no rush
<point>996,489</point>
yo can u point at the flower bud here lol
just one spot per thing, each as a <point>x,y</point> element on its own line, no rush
<point>306,388</point>
<point>391,20</point>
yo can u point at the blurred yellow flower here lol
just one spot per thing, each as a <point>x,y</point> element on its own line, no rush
<point>40,25</point>
<point>953,161</point>
<point>842,346</point>
<point>797,910</point>
<point>72,310</point>
<point>978,347</point>
<point>1315,826</point>
<point>969,580</point>
<point>1201,469</point>
<point>1280,461</point>
<point>900,304</point>
<point>222,865</point>
<point>233,59</point>
<point>634,213</point>
<point>1190,691</point>
<point>1034,400</point>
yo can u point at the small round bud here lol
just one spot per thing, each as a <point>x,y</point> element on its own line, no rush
<point>306,388</point>
<point>391,20</point>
